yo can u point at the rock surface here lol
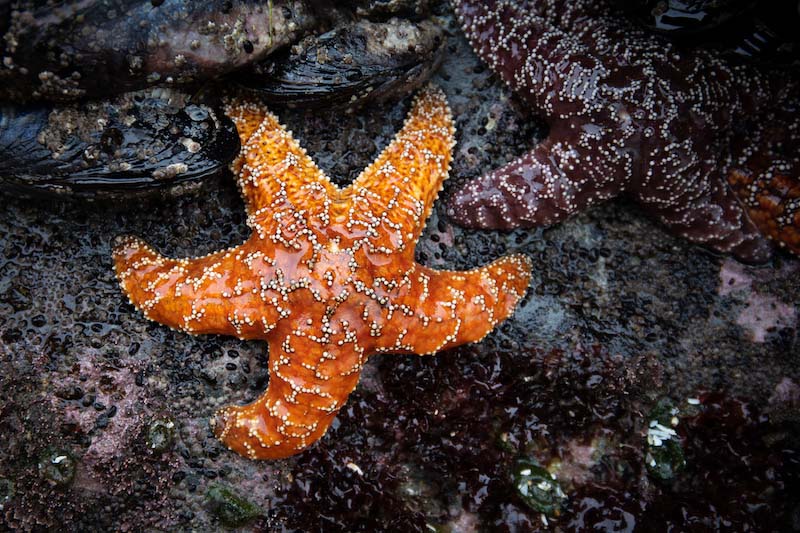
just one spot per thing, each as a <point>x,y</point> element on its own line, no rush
<point>620,317</point>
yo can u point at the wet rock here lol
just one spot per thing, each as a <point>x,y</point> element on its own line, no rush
<point>757,31</point>
<point>738,465</point>
<point>680,17</point>
<point>664,456</point>
<point>379,9</point>
<point>784,404</point>
<point>6,492</point>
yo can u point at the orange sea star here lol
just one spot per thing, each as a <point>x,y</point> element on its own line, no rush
<point>327,277</point>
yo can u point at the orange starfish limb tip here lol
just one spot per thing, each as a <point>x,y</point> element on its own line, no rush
<point>327,277</point>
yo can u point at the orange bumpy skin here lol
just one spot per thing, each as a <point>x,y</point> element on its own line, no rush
<point>771,195</point>
<point>327,277</point>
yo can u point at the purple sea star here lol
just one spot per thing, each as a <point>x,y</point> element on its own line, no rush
<point>631,113</point>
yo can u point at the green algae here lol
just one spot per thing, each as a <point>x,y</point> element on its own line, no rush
<point>230,509</point>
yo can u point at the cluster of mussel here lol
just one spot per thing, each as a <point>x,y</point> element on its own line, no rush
<point>768,32</point>
<point>105,98</point>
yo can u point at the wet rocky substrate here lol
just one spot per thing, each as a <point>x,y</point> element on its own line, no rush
<point>643,382</point>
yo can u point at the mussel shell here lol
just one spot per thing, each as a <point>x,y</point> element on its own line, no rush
<point>136,142</point>
<point>74,49</point>
<point>765,32</point>
<point>350,66</point>
<point>772,35</point>
<point>5,15</point>
<point>686,16</point>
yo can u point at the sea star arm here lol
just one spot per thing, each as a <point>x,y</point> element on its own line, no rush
<point>536,48</point>
<point>443,309</point>
<point>393,197</point>
<point>247,116</point>
<point>308,385</point>
<point>772,199</point>
<point>210,294</point>
<point>311,375</point>
<point>561,176</point>
<point>715,220</point>
<point>273,170</point>
<point>707,213</point>
<point>578,164</point>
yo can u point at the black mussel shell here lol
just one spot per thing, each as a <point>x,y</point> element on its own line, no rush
<point>772,35</point>
<point>69,50</point>
<point>766,32</point>
<point>687,16</point>
<point>350,66</point>
<point>134,143</point>
<point>5,16</point>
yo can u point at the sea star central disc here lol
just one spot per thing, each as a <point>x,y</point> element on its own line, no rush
<point>327,277</point>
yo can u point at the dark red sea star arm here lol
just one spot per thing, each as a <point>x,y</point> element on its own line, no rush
<point>544,186</point>
<point>442,309</point>
<point>536,49</point>
<point>714,219</point>
<point>688,194</point>
<point>197,295</point>
<point>579,163</point>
